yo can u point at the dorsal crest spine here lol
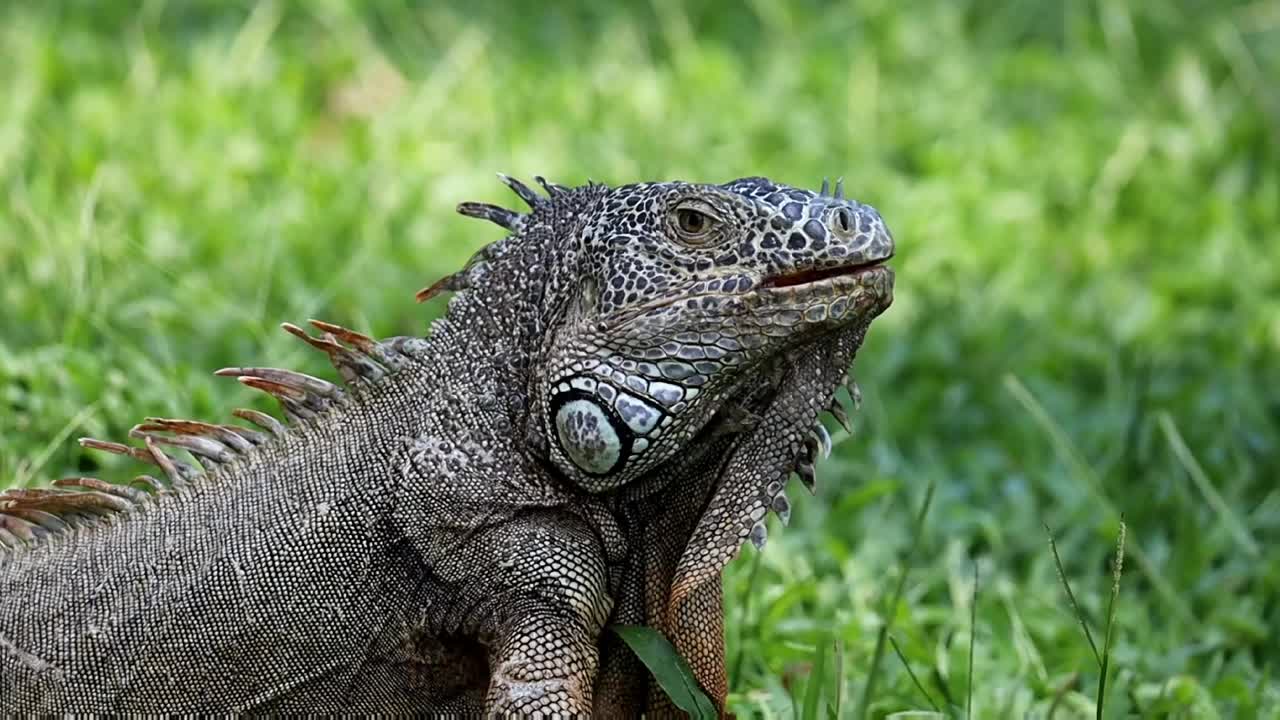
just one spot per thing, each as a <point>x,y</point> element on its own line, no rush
<point>511,220</point>
<point>30,515</point>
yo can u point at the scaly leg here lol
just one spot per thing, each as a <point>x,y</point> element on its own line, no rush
<point>554,603</point>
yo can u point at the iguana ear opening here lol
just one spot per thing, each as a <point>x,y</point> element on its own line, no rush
<point>589,432</point>
<point>599,432</point>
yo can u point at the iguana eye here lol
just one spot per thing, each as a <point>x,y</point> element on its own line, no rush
<point>692,221</point>
<point>694,225</point>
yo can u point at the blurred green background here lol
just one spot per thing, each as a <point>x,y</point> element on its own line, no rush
<point>1085,195</point>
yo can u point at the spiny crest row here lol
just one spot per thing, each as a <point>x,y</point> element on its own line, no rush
<point>514,221</point>
<point>503,217</point>
<point>30,514</point>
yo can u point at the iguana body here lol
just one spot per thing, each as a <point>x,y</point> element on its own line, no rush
<point>610,406</point>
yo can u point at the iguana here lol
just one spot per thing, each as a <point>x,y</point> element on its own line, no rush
<point>607,410</point>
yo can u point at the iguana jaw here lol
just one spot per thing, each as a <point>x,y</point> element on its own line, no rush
<point>813,284</point>
<point>818,276</point>
<point>776,318</point>
<point>867,290</point>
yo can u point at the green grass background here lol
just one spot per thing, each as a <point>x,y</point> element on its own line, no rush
<point>1085,195</point>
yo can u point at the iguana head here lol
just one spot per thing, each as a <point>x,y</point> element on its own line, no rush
<point>670,309</point>
<point>684,293</point>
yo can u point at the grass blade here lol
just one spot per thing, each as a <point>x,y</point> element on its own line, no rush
<point>1117,568</point>
<point>25,473</point>
<point>668,668</point>
<point>973,633</point>
<point>1058,695</point>
<point>839,676</point>
<point>813,688</point>
<point>1201,481</point>
<point>917,530</point>
<point>1071,597</point>
<point>911,673</point>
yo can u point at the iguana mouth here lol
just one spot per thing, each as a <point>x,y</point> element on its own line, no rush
<point>805,277</point>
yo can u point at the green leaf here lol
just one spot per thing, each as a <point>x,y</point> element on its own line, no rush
<point>668,668</point>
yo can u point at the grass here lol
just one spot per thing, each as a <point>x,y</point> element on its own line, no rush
<point>1104,658</point>
<point>1086,197</point>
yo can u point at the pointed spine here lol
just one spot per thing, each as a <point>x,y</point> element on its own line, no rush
<point>804,465</point>
<point>838,412</point>
<point>151,456</point>
<point>200,447</point>
<point>855,393</point>
<point>262,420</point>
<point>58,501</point>
<point>152,485</point>
<point>20,529</point>
<point>804,470</point>
<point>46,520</point>
<point>292,401</point>
<point>385,353</point>
<point>222,433</point>
<point>353,367</point>
<point>781,506</point>
<point>124,492</point>
<point>449,283</point>
<point>500,216</point>
<point>531,198</point>
<point>172,470</point>
<point>824,439</point>
<point>252,437</point>
<point>290,378</point>
<point>554,190</point>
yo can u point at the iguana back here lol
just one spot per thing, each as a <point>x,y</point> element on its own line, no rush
<point>276,581</point>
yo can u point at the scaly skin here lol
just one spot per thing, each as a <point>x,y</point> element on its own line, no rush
<point>612,403</point>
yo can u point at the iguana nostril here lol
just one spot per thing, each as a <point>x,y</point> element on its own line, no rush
<point>842,221</point>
